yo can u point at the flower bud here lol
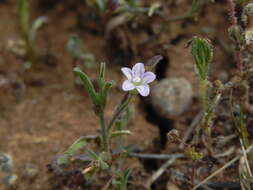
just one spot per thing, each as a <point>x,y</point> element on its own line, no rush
<point>192,154</point>
<point>173,135</point>
<point>153,61</point>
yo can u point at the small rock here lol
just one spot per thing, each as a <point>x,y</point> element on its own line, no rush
<point>3,82</point>
<point>171,97</point>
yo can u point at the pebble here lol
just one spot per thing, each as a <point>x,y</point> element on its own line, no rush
<point>171,97</point>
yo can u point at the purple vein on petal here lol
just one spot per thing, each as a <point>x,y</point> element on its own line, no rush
<point>127,85</point>
<point>138,70</point>
<point>127,72</point>
<point>148,77</point>
<point>143,90</point>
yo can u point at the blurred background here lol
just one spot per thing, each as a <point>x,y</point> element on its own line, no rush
<point>43,106</point>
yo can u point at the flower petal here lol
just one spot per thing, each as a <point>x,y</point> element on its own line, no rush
<point>127,85</point>
<point>127,72</point>
<point>143,90</point>
<point>148,77</point>
<point>138,70</point>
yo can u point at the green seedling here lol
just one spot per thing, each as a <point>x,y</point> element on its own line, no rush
<point>241,126</point>
<point>99,100</point>
<point>28,33</point>
<point>6,165</point>
<point>105,155</point>
<point>74,48</point>
<point>121,179</point>
<point>202,52</point>
<point>196,7</point>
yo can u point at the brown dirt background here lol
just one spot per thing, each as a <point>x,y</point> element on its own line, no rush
<point>42,121</point>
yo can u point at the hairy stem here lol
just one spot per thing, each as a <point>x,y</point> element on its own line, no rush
<point>231,11</point>
<point>204,94</point>
<point>234,22</point>
<point>104,132</point>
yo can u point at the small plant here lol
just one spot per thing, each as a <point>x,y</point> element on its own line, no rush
<point>74,48</point>
<point>83,60</point>
<point>137,82</point>
<point>202,52</point>
<point>28,33</point>
<point>121,178</point>
<point>6,165</point>
<point>193,11</point>
<point>210,92</point>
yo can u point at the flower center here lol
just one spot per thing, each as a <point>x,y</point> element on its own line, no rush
<point>137,81</point>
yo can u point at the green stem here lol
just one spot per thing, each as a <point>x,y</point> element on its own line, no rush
<point>30,54</point>
<point>104,132</point>
<point>204,94</point>
<point>206,107</point>
<point>121,107</point>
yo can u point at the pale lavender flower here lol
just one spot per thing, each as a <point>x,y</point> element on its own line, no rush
<point>137,79</point>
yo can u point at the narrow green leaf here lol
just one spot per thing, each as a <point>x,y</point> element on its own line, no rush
<point>101,82</point>
<point>63,160</point>
<point>116,182</point>
<point>103,165</point>
<point>100,163</point>
<point>37,24</point>
<point>105,92</point>
<point>242,128</point>
<point>119,133</point>
<point>88,85</point>
<point>93,155</point>
<point>23,16</point>
<point>127,174</point>
<point>78,145</point>
<point>102,71</point>
<point>202,52</point>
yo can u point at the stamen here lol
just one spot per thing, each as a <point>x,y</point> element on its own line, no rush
<point>137,79</point>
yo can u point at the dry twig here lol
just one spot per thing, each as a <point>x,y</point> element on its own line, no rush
<point>220,169</point>
<point>156,156</point>
<point>159,172</point>
<point>194,123</point>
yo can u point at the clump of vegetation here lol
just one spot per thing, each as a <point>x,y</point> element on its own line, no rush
<point>28,32</point>
<point>104,157</point>
<point>224,106</point>
<point>7,167</point>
